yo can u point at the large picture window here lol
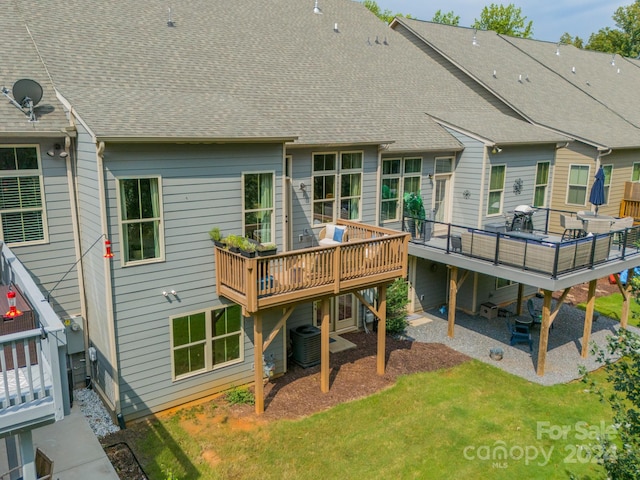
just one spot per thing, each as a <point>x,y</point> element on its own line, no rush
<point>577,188</point>
<point>21,196</point>
<point>608,171</point>
<point>206,340</point>
<point>542,181</point>
<point>140,217</point>
<point>258,206</point>
<point>496,189</point>
<point>328,195</point>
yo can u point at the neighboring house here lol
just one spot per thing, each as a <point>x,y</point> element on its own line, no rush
<point>268,121</point>
<point>581,94</point>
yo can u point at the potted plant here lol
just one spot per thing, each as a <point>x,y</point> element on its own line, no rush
<point>247,248</point>
<point>233,243</point>
<point>216,236</point>
<point>414,208</point>
<point>265,249</point>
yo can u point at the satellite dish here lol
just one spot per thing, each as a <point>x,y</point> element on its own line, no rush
<point>27,89</point>
<point>26,95</point>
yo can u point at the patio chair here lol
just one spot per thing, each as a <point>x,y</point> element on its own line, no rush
<point>44,466</point>
<point>520,334</point>
<point>536,314</point>
<point>573,227</point>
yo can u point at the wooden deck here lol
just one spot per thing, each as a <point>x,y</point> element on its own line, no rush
<point>372,256</point>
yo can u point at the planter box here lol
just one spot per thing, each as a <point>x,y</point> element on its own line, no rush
<point>266,253</point>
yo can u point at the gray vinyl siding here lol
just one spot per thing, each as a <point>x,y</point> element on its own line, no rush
<point>431,285</point>
<point>47,263</point>
<point>93,262</point>
<point>468,171</point>
<point>201,187</point>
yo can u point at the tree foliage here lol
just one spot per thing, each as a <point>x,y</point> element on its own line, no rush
<point>386,16</point>
<point>505,20</point>
<point>623,40</point>
<point>567,39</point>
<point>448,18</point>
<point>619,449</point>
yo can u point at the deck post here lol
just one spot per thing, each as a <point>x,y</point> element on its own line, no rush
<point>519,301</point>
<point>453,295</point>
<point>382,329</point>
<point>588,317</point>
<point>544,332</point>
<point>27,454</point>
<point>324,346</point>
<point>257,358</point>
<point>626,298</point>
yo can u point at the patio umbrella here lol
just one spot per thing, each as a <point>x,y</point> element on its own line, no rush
<point>597,190</point>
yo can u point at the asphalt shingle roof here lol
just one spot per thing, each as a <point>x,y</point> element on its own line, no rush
<point>255,69</point>
<point>20,60</point>
<point>522,73</point>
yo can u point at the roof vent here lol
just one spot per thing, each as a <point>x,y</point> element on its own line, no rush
<point>26,95</point>
<point>170,22</point>
<point>316,9</point>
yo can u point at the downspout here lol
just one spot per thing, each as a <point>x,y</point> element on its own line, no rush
<point>107,280</point>
<point>600,155</point>
<point>482,184</point>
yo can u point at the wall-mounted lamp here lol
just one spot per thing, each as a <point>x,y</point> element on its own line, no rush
<point>57,150</point>
<point>430,175</point>
<point>13,310</point>
<point>496,149</point>
<point>303,187</point>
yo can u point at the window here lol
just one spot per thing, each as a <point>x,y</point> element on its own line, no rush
<point>258,206</point>
<point>21,196</point>
<point>578,180</point>
<point>140,217</point>
<point>206,340</point>
<point>496,188</point>
<point>390,189</point>
<point>324,187</point>
<point>608,171</point>
<point>635,173</point>
<point>326,173</point>
<point>397,171</point>
<point>350,185</point>
<point>542,181</point>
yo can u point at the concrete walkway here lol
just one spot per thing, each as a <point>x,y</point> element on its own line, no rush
<point>74,449</point>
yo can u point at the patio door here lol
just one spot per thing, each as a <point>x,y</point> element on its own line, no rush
<point>442,193</point>
<point>343,315</point>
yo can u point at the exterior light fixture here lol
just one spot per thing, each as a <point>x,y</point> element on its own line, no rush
<point>57,150</point>
<point>13,310</point>
<point>107,245</point>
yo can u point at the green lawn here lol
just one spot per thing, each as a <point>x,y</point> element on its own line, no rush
<point>611,306</point>
<point>451,423</point>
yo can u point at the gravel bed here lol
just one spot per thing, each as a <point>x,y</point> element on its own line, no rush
<point>476,336</point>
<point>96,414</point>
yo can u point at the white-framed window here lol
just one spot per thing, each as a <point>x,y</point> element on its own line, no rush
<point>258,206</point>
<point>350,185</point>
<point>577,186</point>
<point>496,189</point>
<point>399,176</point>
<point>141,219</point>
<point>608,171</point>
<point>206,340</point>
<point>635,172</point>
<point>22,211</point>
<point>332,168</point>
<point>542,182</point>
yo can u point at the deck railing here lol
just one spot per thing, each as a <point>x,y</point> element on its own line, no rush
<point>25,374</point>
<point>373,255</point>
<point>539,251</point>
<point>630,208</point>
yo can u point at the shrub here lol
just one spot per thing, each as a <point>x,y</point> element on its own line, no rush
<point>240,396</point>
<point>397,300</point>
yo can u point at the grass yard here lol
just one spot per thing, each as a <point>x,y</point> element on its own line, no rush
<point>470,421</point>
<point>611,306</point>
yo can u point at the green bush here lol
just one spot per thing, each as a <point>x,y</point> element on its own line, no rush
<point>397,300</point>
<point>240,396</point>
